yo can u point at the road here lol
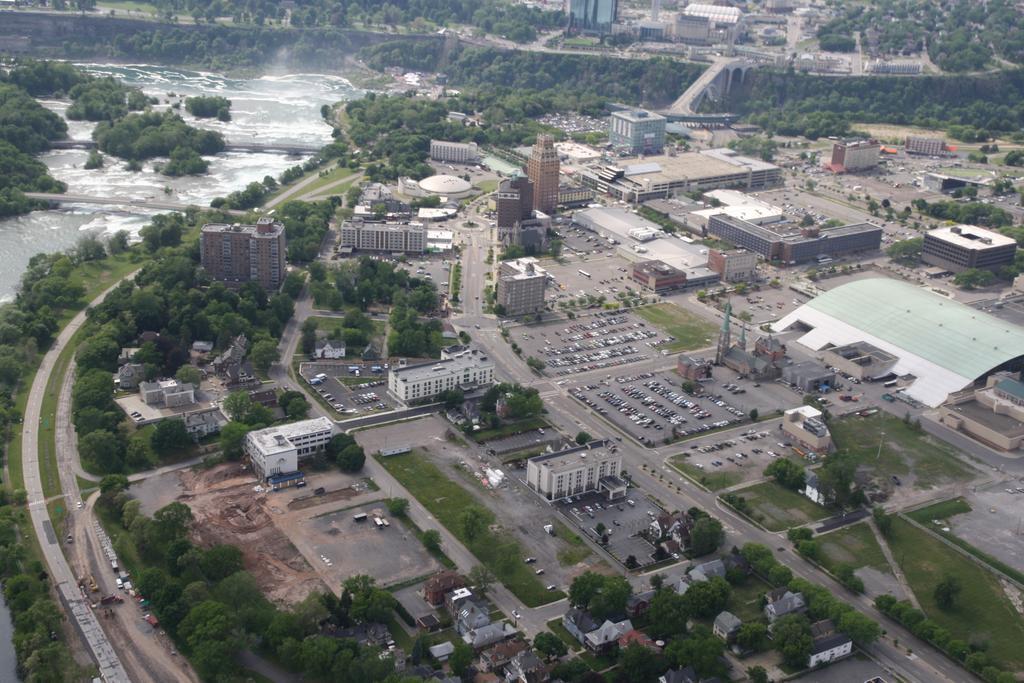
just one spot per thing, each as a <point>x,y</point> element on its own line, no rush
<point>924,665</point>
<point>77,607</point>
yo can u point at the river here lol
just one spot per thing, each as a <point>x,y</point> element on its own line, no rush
<point>283,108</point>
<point>266,109</point>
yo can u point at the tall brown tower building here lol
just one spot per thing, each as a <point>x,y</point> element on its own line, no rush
<point>542,169</point>
<point>245,253</point>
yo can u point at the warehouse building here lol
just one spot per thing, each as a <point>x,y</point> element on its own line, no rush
<point>459,368</point>
<point>806,425</point>
<point>658,276</point>
<point>593,467</point>
<point>993,414</point>
<point>850,157</point>
<point>733,265</point>
<point>521,285</point>
<point>277,450</point>
<point>860,360</point>
<point>941,346</point>
<point>363,235</point>
<point>961,247</point>
<point>659,177</point>
<point>792,245</point>
<point>809,377</point>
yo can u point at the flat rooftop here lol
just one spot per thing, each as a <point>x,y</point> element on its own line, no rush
<point>572,456</point>
<point>657,268</point>
<point>1004,424</point>
<point>465,359</point>
<point>971,237</point>
<point>636,115</point>
<point>278,438</point>
<point>525,268</point>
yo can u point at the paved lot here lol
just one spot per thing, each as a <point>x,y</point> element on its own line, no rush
<point>608,277</point>
<point>605,340</point>
<point>740,455</point>
<point>994,523</point>
<point>623,522</point>
<point>348,393</point>
<point>652,407</point>
<point>340,547</point>
<point>433,267</point>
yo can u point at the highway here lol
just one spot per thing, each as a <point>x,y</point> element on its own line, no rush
<point>78,608</point>
<point>925,665</point>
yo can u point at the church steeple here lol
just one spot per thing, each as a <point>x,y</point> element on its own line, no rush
<point>725,336</point>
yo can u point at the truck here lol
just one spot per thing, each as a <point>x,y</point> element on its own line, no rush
<point>353,368</point>
<point>888,397</point>
<point>549,529</point>
<point>111,600</point>
<point>113,565</point>
<point>377,369</point>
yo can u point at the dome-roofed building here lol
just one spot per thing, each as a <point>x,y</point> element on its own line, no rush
<point>449,186</point>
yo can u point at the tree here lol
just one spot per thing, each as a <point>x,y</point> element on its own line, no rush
<point>792,638</point>
<point>432,540</point>
<point>398,507</point>
<point>583,589</point>
<point>705,599</point>
<point>351,459</point>
<point>232,436</point>
<point>113,484</point>
<point>296,408</point>
<point>753,635</point>
<point>238,406</point>
<point>474,523</point>
<point>220,562</point>
<point>549,644</point>
<point>639,664</point>
<point>611,601</point>
<point>189,375</point>
<point>702,650</point>
<point>973,278</point>
<point>169,435</point>
<point>754,414</point>
<point>787,473</point>
<point>882,520</point>
<point>480,578</point>
<point>947,591</point>
<point>461,658</point>
<point>707,535</point>
<point>667,614</point>
<point>757,674</point>
<point>104,449</point>
<point>862,629</point>
<point>264,353</point>
<point>907,252</point>
<point>583,438</point>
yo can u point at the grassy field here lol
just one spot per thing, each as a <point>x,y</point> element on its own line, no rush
<point>905,450</point>
<point>943,510</point>
<point>447,501</point>
<point>745,599</point>
<point>982,612</point>
<point>690,331</point>
<point>510,428</point>
<point>854,545</point>
<point>487,186</point>
<point>331,323</point>
<point>778,508</point>
<point>578,549</point>
<point>556,627</point>
<point>715,480</point>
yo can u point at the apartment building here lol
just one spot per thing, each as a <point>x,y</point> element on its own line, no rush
<point>363,235</point>
<point>240,253</point>
<point>459,367</point>
<point>593,467</point>
<point>521,285</point>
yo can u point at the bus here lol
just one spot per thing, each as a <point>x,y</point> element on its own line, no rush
<point>584,273</point>
<point>891,383</point>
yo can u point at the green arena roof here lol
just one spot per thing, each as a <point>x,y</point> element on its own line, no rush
<point>950,334</point>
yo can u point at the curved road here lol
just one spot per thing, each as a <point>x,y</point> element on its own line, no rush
<point>64,580</point>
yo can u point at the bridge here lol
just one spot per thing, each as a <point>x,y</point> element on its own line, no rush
<point>155,204</point>
<point>714,83</point>
<point>252,147</point>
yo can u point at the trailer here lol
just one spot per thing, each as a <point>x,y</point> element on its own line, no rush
<point>359,517</point>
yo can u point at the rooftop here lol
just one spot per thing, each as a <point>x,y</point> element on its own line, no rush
<point>945,344</point>
<point>971,237</point>
<point>264,227</point>
<point>571,456</point>
<point>637,115</point>
<point>464,359</point>
<point>656,268</point>
<point>719,13</point>
<point>525,268</point>
<point>278,438</point>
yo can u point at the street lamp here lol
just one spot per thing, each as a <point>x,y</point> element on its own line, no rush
<point>881,438</point>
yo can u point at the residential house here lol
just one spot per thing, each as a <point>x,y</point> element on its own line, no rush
<point>229,363</point>
<point>828,644</point>
<point>497,656</point>
<point>607,635</point>
<point>202,347</point>
<point>471,616</point>
<point>167,392</point>
<point>526,667</point>
<point>439,585</point>
<point>707,570</point>
<point>442,651</point>
<point>329,349</point>
<point>640,638</point>
<point>265,397</point>
<point>367,635</point>
<point>727,626</point>
<point>682,585</point>
<point>782,601</point>
<point>453,600</point>
<point>812,487</point>
<point>490,634</point>
<point>126,355</point>
<point>428,623</point>
<point>674,526</point>
<point>579,623</point>
<point>639,603</point>
<point>687,675</point>
<point>202,423</point>
<point>130,375</point>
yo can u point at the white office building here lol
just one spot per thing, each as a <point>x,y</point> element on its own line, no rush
<point>454,152</point>
<point>409,238</point>
<point>521,284</point>
<point>595,466</point>
<point>278,449</point>
<point>460,367</point>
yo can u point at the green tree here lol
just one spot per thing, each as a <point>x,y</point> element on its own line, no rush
<point>883,520</point>
<point>792,638</point>
<point>549,645</point>
<point>432,540</point>
<point>611,600</point>
<point>351,459</point>
<point>707,535</point>
<point>753,635</point>
<point>220,562</point>
<point>907,252</point>
<point>705,599</point>
<point>461,658</point>
<point>473,522</point>
<point>103,449</point>
<point>757,674</point>
<point>264,353</point>
<point>583,438</point>
<point>787,473</point>
<point>189,374</point>
<point>638,664</point>
<point>584,588</point>
<point>232,436</point>
<point>973,278</point>
<point>398,507</point>
<point>947,591</point>
<point>667,614</point>
<point>702,650</point>
<point>169,435</point>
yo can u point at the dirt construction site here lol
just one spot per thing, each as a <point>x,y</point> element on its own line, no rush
<point>300,540</point>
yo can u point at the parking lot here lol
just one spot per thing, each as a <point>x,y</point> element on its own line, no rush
<point>435,268</point>
<point>735,456</point>
<point>653,408</point>
<point>605,340</point>
<point>350,388</point>
<point>621,521</point>
<point>602,275</point>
